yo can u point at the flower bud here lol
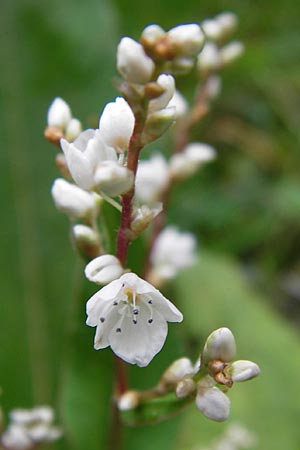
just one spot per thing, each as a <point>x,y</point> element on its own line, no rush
<point>186,40</point>
<point>243,370</point>
<point>167,84</point>
<point>230,52</point>
<point>129,400</point>
<point>185,387</point>
<point>132,62</point>
<point>152,178</point>
<point>177,370</point>
<point>113,179</point>
<point>59,114</point>
<point>72,200</point>
<point>213,403</point>
<point>73,130</point>
<point>220,345</point>
<point>103,269</point>
<point>151,36</point>
<point>157,124</point>
<point>181,65</point>
<point>209,60</point>
<point>116,124</point>
<point>186,163</point>
<point>142,217</point>
<point>228,22</point>
<point>212,29</point>
<point>179,102</point>
<point>87,241</point>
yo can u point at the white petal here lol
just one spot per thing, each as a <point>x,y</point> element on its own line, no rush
<point>79,166</point>
<point>243,370</point>
<point>220,345</point>
<point>72,200</point>
<point>139,342</point>
<point>113,179</point>
<point>213,403</point>
<point>116,124</point>
<point>112,318</point>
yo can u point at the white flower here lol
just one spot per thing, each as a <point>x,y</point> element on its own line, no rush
<point>116,124</point>
<point>132,62</point>
<point>152,179</point>
<point>131,317</point>
<point>72,200</point>
<point>167,83</point>
<point>83,156</point>
<point>104,269</point>
<point>186,40</point>
<point>172,251</point>
<point>59,114</point>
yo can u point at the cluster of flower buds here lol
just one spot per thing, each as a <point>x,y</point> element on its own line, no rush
<point>206,381</point>
<point>215,54</point>
<point>30,428</point>
<point>61,123</point>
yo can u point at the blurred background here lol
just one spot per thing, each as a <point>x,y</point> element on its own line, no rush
<point>244,209</point>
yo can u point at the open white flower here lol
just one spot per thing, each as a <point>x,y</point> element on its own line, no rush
<point>131,317</point>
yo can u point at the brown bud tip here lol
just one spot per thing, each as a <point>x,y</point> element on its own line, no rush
<point>53,135</point>
<point>153,90</point>
<point>223,379</point>
<point>215,366</point>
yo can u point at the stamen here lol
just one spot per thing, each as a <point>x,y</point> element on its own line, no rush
<point>150,320</point>
<point>115,303</point>
<point>134,321</point>
<point>118,330</point>
<point>151,311</point>
<point>150,302</point>
<point>135,311</point>
<point>102,319</point>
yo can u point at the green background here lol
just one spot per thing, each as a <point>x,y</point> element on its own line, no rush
<point>244,208</point>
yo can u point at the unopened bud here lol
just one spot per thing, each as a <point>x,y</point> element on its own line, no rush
<point>212,29</point>
<point>150,37</point>
<point>186,40</point>
<point>167,84</point>
<point>185,387</point>
<point>209,60</point>
<point>87,240</point>
<point>59,114</point>
<point>104,269</point>
<point>132,62</point>
<point>142,217</point>
<point>213,403</point>
<point>129,400</point>
<point>220,345</point>
<point>243,370</point>
<point>157,124</point>
<point>230,52</point>
<point>177,370</point>
<point>228,22</point>
<point>73,130</point>
<point>113,179</point>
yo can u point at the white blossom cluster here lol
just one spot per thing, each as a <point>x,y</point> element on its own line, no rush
<point>29,428</point>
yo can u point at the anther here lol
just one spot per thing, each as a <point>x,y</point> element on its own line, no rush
<point>115,303</point>
<point>150,320</point>
<point>118,330</point>
<point>135,311</point>
<point>150,302</point>
<point>134,321</point>
<point>102,319</point>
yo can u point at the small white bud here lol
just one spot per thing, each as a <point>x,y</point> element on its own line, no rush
<point>243,370</point>
<point>230,52</point>
<point>85,234</point>
<point>15,437</point>
<point>167,83</point>
<point>142,217</point>
<point>181,65</point>
<point>186,163</point>
<point>152,178</point>
<point>212,29</point>
<point>186,40</point>
<point>157,124</point>
<point>103,269</point>
<point>129,400</point>
<point>151,35</point>
<point>220,345</point>
<point>209,59</point>
<point>116,124</point>
<point>132,62</point>
<point>72,200</point>
<point>113,179</point>
<point>59,114</point>
<point>185,387</point>
<point>228,22</point>
<point>213,403</point>
<point>73,130</point>
<point>177,370</point>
